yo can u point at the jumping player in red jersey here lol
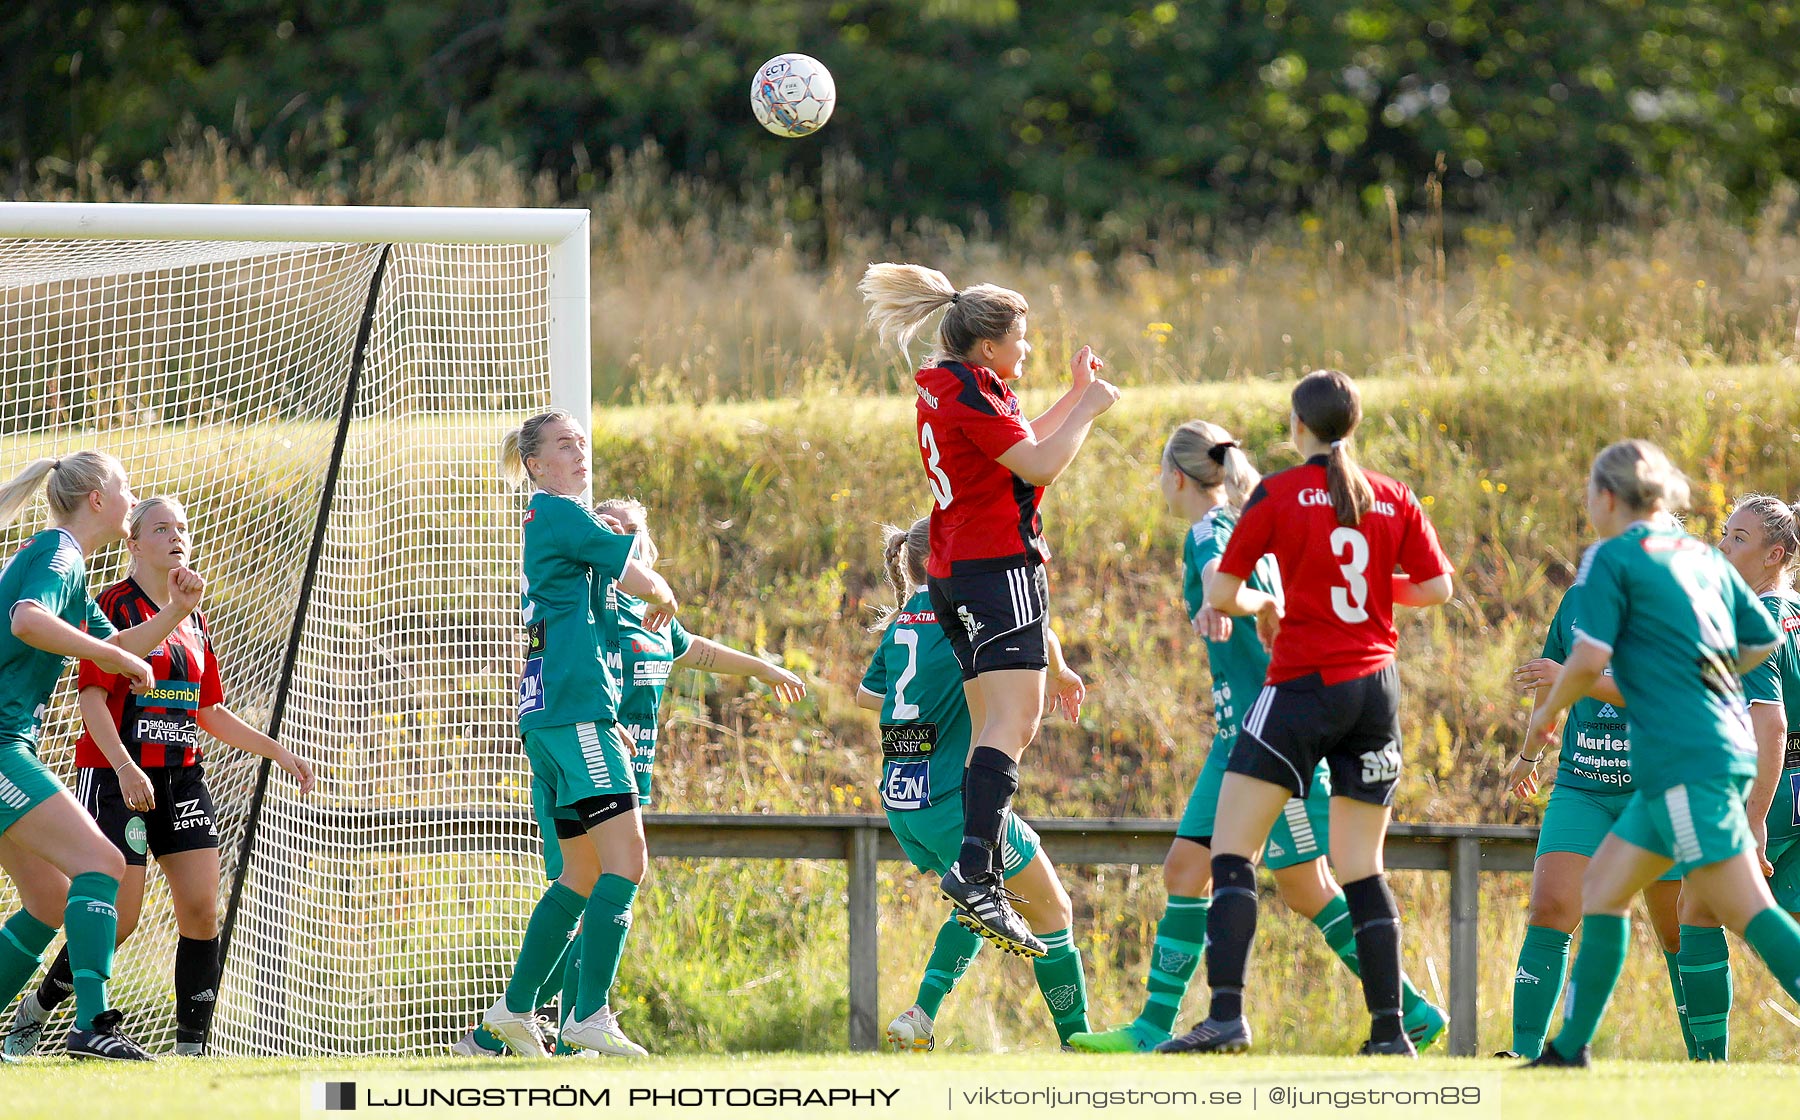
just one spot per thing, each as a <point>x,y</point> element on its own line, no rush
<point>987,466</point>
<point>1338,534</point>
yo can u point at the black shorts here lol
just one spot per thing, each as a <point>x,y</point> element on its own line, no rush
<point>1353,725</point>
<point>181,822</point>
<point>995,620</point>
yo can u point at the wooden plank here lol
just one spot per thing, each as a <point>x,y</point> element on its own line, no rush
<point>1465,944</point>
<point>865,962</point>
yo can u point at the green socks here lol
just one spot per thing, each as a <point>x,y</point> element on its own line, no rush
<point>1335,926</point>
<point>546,939</point>
<point>1705,966</point>
<point>950,958</point>
<point>1673,960</point>
<point>1776,940</point>
<point>1537,984</point>
<point>23,940</point>
<point>603,929</point>
<point>1596,974</point>
<point>1064,984</point>
<point>1174,957</point>
<point>92,920</point>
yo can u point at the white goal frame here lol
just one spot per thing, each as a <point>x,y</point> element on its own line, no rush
<point>564,232</point>
<point>563,235</point>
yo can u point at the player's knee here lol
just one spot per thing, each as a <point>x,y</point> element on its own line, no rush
<point>1555,910</point>
<point>1010,732</point>
<point>198,920</point>
<point>103,859</point>
<point>1187,872</point>
<point>128,926</point>
<point>580,879</point>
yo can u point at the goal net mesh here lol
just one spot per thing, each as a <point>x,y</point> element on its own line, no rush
<point>381,913</point>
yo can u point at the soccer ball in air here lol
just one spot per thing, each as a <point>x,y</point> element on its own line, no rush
<point>792,95</point>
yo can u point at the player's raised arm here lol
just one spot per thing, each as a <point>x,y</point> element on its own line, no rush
<point>986,469</point>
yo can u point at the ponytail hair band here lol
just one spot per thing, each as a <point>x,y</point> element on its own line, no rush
<point>1218,450</point>
<point>955,296</point>
<point>1336,443</point>
<point>55,463</point>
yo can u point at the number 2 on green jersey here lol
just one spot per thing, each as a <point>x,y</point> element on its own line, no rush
<point>910,639</point>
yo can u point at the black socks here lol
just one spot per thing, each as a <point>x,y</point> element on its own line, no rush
<point>988,788</point>
<point>196,987</point>
<point>1376,919</point>
<point>1230,926</point>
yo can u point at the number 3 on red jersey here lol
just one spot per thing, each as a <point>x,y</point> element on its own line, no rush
<point>1351,602</point>
<point>940,482</point>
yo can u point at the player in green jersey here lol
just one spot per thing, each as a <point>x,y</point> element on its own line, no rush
<point>645,658</point>
<point>1762,541</point>
<point>915,682</point>
<point>1677,624</point>
<point>1593,785</point>
<point>575,565</point>
<point>65,869</point>
<point>1205,479</point>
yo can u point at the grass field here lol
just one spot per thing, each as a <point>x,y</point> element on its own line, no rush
<point>927,1086</point>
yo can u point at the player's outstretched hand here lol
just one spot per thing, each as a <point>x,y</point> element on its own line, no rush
<point>1067,691</point>
<point>185,589</point>
<point>1521,777</point>
<point>1539,672</point>
<point>1084,367</point>
<point>1213,625</point>
<point>787,687</point>
<point>301,769</point>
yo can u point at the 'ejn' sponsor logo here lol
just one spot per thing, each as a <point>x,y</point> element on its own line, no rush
<point>334,1096</point>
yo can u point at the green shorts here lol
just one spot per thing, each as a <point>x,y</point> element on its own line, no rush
<point>1696,825</point>
<point>1301,834</point>
<point>1784,853</point>
<point>25,782</point>
<point>570,764</point>
<point>932,837</point>
<point>1577,819</point>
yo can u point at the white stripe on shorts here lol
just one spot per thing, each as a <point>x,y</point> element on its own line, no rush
<point>1300,825</point>
<point>1681,822</point>
<point>1258,714</point>
<point>588,735</point>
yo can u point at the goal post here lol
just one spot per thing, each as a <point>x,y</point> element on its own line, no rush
<point>324,388</point>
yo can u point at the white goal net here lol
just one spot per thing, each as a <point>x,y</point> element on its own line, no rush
<point>380,914</point>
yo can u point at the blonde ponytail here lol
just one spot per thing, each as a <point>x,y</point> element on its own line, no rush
<point>70,480</point>
<point>904,553</point>
<point>521,444</point>
<point>1638,473</point>
<point>1207,454</point>
<point>902,296</point>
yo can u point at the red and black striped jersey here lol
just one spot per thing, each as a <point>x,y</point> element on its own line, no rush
<point>984,517</point>
<point>1337,580</point>
<point>159,727</point>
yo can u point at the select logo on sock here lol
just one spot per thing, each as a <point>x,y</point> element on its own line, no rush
<point>334,1096</point>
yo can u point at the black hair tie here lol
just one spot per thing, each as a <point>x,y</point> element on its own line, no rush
<point>1217,451</point>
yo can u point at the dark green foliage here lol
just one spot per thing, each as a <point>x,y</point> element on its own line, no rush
<point>1157,114</point>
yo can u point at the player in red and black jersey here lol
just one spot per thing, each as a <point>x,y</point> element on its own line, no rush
<point>987,466</point>
<point>1350,544</point>
<point>141,777</point>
